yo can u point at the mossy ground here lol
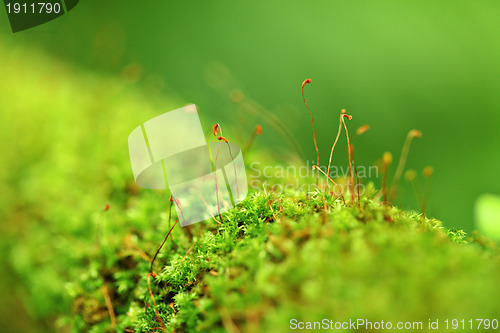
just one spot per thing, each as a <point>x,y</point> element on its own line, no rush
<point>255,273</point>
<point>64,254</point>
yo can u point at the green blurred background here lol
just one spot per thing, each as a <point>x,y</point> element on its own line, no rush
<point>72,89</point>
<point>430,65</point>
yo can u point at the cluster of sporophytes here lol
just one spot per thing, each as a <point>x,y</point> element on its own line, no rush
<point>274,258</point>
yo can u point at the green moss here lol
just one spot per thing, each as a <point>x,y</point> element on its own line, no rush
<point>257,273</point>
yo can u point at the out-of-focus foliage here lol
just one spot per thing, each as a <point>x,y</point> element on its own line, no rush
<point>488,215</point>
<point>64,157</point>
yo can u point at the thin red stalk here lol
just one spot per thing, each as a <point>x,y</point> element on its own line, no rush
<point>402,161</point>
<point>349,150</point>
<point>216,185</point>
<point>314,129</point>
<point>158,251</point>
<point>335,143</point>
<point>158,317</point>
<point>218,134</point>
<point>208,208</point>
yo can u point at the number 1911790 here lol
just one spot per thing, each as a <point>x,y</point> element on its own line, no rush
<point>34,8</point>
<point>472,324</point>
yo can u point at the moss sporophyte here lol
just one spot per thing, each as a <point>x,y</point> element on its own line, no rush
<point>333,251</point>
